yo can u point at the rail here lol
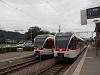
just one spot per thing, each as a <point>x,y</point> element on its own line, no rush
<point>52,70</point>
<point>27,61</point>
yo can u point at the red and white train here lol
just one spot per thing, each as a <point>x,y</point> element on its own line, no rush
<point>68,45</point>
<point>44,44</point>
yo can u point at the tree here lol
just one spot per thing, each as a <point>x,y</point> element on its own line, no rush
<point>53,33</point>
<point>10,34</point>
<point>4,39</point>
<point>44,32</point>
<point>34,31</point>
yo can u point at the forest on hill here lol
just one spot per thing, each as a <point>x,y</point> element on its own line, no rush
<point>16,36</point>
<point>10,34</point>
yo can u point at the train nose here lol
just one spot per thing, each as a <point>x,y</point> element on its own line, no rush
<point>63,49</point>
<point>38,48</point>
<point>57,49</point>
<point>60,49</point>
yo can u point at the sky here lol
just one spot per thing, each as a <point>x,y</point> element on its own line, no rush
<point>46,14</point>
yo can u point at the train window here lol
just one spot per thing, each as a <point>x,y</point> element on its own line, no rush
<point>46,45</point>
<point>71,45</point>
<point>75,43</point>
<point>52,43</point>
<point>39,41</point>
<point>62,41</point>
<point>49,44</point>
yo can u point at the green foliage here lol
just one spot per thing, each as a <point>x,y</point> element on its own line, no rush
<point>34,31</point>
<point>10,35</point>
<point>14,49</point>
<point>11,49</point>
<point>8,49</point>
<point>28,48</point>
<point>0,50</point>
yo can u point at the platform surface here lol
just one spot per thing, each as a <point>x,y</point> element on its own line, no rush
<point>11,55</point>
<point>87,64</point>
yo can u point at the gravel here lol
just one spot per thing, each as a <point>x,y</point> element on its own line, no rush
<point>34,68</point>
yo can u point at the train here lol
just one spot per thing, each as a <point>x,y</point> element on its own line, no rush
<point>68,46</point>
<point>44,45</point>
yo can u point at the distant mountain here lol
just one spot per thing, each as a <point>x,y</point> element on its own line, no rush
<point>10,34</point>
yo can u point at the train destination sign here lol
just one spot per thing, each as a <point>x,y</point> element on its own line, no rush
<point>93,12</point>
<point>64,34</point>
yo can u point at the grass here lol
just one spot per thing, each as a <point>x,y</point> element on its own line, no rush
<point>14,49</point>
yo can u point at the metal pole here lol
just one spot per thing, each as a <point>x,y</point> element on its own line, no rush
<point>92,35</point>
<point>96,21</point>
<point>31,40</point>
<point>31,34</point>
<point>59,28</point>
<point>8,66</point>
<point>40,56</point>
<point>96,40</point>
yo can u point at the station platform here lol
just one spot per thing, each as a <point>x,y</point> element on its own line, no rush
<point>87,64</point>
<point>15,55</point>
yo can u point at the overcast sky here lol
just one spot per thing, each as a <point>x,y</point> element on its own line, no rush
<point>47,14</point>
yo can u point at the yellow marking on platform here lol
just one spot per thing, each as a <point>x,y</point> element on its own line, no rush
<point>79,67</point>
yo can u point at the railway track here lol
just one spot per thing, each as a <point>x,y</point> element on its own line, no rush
<point>25,62</point>
<point>52,70</point>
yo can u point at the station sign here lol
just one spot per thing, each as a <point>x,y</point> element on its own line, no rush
<point>93,12</point>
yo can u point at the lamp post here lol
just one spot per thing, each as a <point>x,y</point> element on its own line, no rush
<point>31,34</point>
<point>96,21</point>
<point>31,38</point>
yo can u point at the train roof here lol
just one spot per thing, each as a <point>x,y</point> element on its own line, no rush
<point>45,35</point>
<point>68,34</point>
<point>64,34</point>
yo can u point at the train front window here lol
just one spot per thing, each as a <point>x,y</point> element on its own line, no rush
<point>62,41</point>
<point>39,41</point>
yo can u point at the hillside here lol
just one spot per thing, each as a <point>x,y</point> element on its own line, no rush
<point>10,35</point>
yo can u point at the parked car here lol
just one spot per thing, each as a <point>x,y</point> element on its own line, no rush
<point>28,43</point>
<point>21,45</point>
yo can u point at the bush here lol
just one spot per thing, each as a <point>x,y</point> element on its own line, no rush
<point>28,48</point>
<point>8,49</point>
<point>0,50</point>
<point>11,49</point>
<point>14,49</point>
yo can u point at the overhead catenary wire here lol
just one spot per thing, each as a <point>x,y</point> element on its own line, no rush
<point>59,1</point>
<point>63,9</point>
<point>37,18</point>
<point>34,11</point>
<point>22,11</point>
<point>37,12</point>
<point>57,11</point>
<point>67,20</point>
